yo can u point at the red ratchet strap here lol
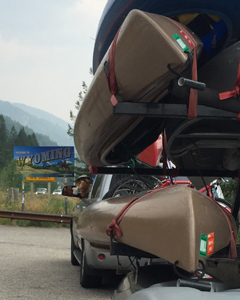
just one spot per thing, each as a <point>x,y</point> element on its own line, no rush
<point>234,93</point>
<point>232,245</point>
<point>193,97</point>
<point>164,152</point>
<point>113,228</point>
<point>111,26</point>
<point>111,77</point>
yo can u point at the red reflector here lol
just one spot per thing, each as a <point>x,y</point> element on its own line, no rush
<point>101,256</point>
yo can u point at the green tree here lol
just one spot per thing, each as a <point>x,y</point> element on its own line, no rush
<point>32,140</point>
<point>22,138</point>
<point>228,187</point>
<point>12,141</point>
<point>13,136</point>
<point>8,178</point>
<point>80,167</point>
<point>4,145</point>
<point>78,105</point>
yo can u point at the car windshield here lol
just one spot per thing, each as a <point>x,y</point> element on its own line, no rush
<point>41,189</point>
<point>106,186</point>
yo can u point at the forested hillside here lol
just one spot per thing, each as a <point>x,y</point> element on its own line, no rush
<point>42,139</point>
<point>9,139</point>
<point>39,121</point>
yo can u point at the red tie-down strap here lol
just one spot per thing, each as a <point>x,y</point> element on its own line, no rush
<point>113,228</point>
<point>193,96</point>
<point>111,76</point>
<point>234,93</point>
<point>164,152</point>
<point>232,245</point>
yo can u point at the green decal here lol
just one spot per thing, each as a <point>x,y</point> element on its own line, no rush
<point>203,245</point>
<point>180,42</point>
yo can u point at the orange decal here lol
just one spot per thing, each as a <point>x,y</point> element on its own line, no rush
<point>210,243</point>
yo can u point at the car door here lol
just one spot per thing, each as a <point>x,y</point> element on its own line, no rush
<point>82,204</point>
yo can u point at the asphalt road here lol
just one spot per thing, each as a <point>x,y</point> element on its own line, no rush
<point>35,264</point>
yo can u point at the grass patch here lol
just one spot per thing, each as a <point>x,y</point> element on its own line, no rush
<point>39,204</point>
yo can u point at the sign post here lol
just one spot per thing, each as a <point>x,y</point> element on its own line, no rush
<point>23,196</point>
<point>49,191</point>
<point>66,204</point>
<point>31,189</point>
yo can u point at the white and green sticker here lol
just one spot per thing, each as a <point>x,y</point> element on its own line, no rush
<point>180,42</point>
<point>203,245</point>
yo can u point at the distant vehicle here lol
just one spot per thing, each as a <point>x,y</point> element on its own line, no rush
<point>57,192</point>
<point>41,191</point>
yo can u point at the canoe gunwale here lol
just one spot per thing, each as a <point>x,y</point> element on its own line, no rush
<point>111,20</point>
<point>106,131</point>
<point>160,213</point>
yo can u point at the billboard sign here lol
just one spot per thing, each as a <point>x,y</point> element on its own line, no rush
<point>44,161</point>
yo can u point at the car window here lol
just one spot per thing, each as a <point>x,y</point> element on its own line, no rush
<point>116,178</point>
<point>96,186</point>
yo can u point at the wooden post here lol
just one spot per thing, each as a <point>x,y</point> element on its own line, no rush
<point>16,194</point>
<point>13,222</point>
<point>49,191</point>
<point>23,196</point>
<point>66,199</point>
<point>31,189</point>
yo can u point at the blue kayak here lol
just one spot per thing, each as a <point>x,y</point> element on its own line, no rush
<point>222,33</point>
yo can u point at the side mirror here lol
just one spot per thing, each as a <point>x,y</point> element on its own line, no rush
<point>68,191</point>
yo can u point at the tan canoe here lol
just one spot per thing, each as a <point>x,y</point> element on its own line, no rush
<point>173,223</point>
<point>146,44</point>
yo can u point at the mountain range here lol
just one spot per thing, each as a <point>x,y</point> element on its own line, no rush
<point>40,121</point>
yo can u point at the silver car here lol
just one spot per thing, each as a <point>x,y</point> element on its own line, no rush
<point>41,191</point>
<point>96,261</point>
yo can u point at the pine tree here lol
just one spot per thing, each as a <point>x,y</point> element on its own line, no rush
<point>32,140</point>
<point>13,136</point>
<point>12,141</point>
<point>80,167</point>
<point>8,178</point>
<point>22,138</point>
<point>78,105</point>
<point>4,145</point>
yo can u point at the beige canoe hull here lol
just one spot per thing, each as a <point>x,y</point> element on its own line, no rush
<point>168,223</point>
<point>144,48</point>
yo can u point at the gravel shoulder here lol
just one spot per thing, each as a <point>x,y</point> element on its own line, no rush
<point>35,264</point>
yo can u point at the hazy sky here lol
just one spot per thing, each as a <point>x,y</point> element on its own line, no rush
<point>46,51</point>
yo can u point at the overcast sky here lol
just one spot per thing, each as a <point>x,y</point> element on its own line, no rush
<point>46,51</point>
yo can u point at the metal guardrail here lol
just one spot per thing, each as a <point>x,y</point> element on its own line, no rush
<point>13,215</point>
